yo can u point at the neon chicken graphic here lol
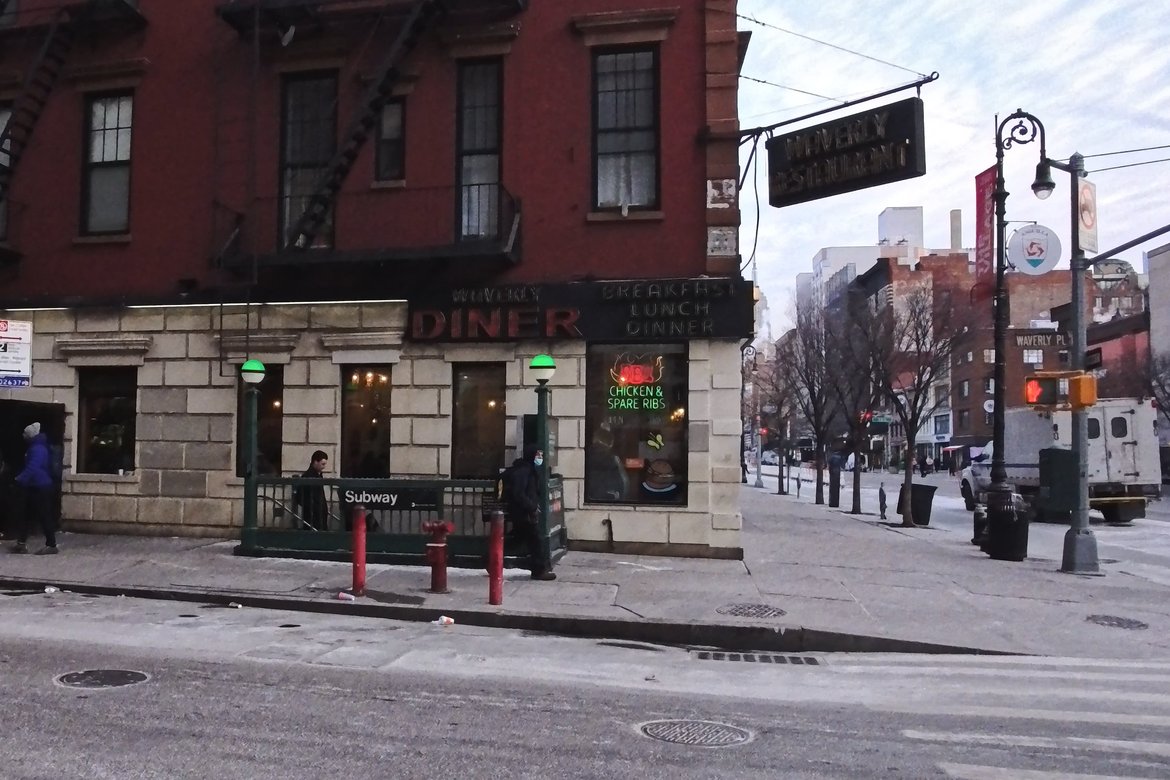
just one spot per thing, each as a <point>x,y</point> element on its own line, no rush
<point>630,370</point>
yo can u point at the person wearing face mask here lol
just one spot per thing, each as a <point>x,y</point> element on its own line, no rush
<point>522,504</point>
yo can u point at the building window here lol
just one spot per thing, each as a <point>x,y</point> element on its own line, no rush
<point>5,161</point>
<point>964,421</point>
<point>270,423</point>
<point>479,420</point>
<point>625,129</point>
<point>106,186</point>
<point>365,421</point>
<point>8,12</point>
<point>964,389</point>
<point>1118,427</point>
<point>989,356</point>
<point>105,421</point>
<point>988,385</point>
<point>636,424</point>
<point>1034,357</point>
<point>942,425</point>
<point>308,139</point>
<point>941,396</point>
<point>479,149</point>
<point>390,153</point>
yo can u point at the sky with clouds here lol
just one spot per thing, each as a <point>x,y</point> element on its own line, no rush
<point>1095,72</point>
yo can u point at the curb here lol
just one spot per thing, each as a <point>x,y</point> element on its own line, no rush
<point>735,638</point>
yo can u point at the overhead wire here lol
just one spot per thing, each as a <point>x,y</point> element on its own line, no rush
<point>1128,165</point>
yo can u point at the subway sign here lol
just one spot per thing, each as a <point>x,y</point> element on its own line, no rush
<point>878,146</point>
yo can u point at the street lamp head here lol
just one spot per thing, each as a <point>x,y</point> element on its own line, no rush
<point>252,372</point>
<point>1043,186</point>
<point>543,367</point>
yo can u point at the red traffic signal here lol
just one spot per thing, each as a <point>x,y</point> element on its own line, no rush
<point>763,431</point>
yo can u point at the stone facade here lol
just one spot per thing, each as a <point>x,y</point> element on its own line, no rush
<point>187,358</point>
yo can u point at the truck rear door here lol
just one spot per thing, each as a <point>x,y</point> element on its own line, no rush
<point>1120,438</point>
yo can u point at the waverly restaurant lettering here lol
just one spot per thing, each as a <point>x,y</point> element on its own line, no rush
<point>634,310</point>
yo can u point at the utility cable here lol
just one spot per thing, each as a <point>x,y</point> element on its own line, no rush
<point>790,89</point>
<point>1130,165</point>
<point>762,23</point>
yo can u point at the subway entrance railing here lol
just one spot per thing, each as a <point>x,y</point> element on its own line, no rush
<point>304,517</point>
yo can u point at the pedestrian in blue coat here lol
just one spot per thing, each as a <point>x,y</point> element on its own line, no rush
<point>36,480</point>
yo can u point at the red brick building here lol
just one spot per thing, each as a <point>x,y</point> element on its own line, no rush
<point>394,205</point>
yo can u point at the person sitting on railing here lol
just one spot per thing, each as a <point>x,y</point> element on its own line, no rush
<point>310,499</point>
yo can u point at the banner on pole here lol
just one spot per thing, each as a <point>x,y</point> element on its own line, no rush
<point>985,235</point>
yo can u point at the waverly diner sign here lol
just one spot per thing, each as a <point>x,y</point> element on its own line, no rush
<point>878,146</point>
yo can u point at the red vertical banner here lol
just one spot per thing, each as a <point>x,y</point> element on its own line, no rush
<point>984,235</point>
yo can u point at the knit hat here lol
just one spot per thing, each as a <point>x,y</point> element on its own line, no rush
<point>32,431</point>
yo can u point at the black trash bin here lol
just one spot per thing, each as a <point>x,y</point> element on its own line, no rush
<point>921,501</point>
<point>1007,534</point>
<point>834,483</point>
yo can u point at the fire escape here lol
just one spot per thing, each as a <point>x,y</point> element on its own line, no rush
<point>57,27</point>
<point>278,20</point>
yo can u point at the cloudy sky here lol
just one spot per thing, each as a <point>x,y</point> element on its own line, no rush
<point>1095,72</point>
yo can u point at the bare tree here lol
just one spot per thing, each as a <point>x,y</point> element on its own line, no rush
<point>801,359</point>
<point>1160,382</point>
<point>850,378</point>
<point>913,341</point>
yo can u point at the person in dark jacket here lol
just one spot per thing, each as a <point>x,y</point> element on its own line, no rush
<point>310,499</point>
<point>523,507</point>
<point>36,480</point>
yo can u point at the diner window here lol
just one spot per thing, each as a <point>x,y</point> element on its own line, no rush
<point>479,420</point>
<point>636,424</point>
<point>107,404</point>
<point>308,138</point>
<point>269,423</point>
<point>106,178</point>
<point>390,153</point>
<point>625,129</point>
<point>365,421</point>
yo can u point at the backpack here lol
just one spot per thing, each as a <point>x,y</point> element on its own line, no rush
<point>504,485</point>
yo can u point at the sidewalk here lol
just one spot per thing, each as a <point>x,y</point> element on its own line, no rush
<point>843,583</point>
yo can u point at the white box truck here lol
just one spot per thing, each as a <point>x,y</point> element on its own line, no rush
<point>1124,470</point>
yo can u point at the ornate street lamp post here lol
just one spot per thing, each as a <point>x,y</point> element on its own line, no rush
<point>543,367</point>
<point>1080,545</point>
<point>252,372</point>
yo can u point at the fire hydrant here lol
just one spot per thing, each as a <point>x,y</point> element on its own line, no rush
<point>437,552</point>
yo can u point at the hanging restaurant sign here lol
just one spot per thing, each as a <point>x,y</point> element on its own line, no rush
<point>877,146</point>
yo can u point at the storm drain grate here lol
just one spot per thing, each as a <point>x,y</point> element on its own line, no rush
<point>700,733</point>
<point>1112,621</point>
<point>751,610</point>
<point>757,658</point>
<point>102,678</point>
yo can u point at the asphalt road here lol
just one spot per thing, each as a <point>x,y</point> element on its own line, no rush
<point>238,693</point>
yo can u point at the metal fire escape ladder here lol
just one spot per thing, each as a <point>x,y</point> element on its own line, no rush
<point>34,94</point>
<point>423,15</point>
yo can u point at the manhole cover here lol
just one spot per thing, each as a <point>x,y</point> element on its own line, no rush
<point>1112,621</point>
<point>700,733</point>
<point>751,610</point>
<point>102,678</point>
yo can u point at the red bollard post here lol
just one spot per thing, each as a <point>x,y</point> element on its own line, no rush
<point>496,560</point>
<point>437,553</point>
<point>359,550</point>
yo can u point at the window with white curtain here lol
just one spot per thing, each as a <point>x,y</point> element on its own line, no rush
<point>106,185</point>
<point>479,148</point>
<point>625,129</point>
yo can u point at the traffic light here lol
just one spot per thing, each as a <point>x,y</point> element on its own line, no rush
<point>1082,390</point>
<point>1042,390</point>
<point>763,431</point>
